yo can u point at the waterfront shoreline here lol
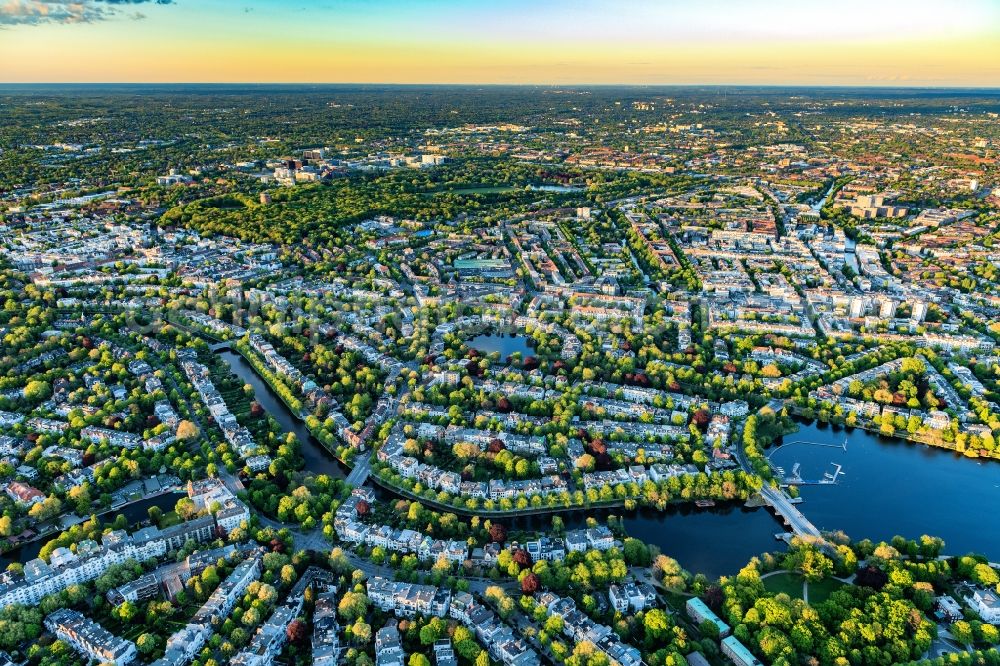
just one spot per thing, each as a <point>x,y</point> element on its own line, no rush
<point>904,436</point>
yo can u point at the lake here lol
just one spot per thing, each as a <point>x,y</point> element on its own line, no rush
<point>505,345</point>
<point>889,487</point>
<point>716,541</point>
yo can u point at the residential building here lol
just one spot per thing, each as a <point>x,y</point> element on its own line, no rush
<point>699,612</point>
<point>89,638</point>
<point>738,653</point>
<point>388,646</point>
<point>326,631</point>
<point>986,602</point>
<point>185,643</point>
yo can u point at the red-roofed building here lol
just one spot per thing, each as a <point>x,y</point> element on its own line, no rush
<point>24,494</point>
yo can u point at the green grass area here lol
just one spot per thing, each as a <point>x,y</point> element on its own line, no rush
<point>821,591</point>
<point>170,518</point>
<point>675,600</point>
<point>133,632</point>
<point>789,583</point>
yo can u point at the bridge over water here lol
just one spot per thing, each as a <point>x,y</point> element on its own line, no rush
<point>795,519</point>
<point>783,506</point>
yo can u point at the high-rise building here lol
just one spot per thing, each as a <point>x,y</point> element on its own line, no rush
<point>857,307</point>
<point>887,308</point>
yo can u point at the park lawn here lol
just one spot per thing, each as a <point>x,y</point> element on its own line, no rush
<point>789,583</point>
<point>170,518</point>
<point>821,591</point>
<point>133,632</point>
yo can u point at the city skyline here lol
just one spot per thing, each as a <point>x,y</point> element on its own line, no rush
<point>636,42</point>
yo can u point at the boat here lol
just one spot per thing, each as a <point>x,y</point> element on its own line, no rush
<point>704,503</point>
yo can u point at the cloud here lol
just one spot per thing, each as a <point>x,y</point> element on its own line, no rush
<point>38,12</point>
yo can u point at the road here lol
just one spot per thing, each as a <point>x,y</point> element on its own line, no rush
<point>944,645</point>
<point>795,519</point>
<point>359,475</point>
<point>315,541</point>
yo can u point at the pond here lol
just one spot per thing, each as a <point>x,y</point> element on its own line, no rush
<point>505,189</point>
<point>716,541</point>
<point>558,189</point>
<point>505,345</point>
<point>889,486</point>
<point>482,189</point>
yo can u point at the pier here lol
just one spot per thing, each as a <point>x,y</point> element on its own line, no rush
<point>795,478</point>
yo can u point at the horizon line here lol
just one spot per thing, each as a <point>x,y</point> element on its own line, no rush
<point>897,86</point>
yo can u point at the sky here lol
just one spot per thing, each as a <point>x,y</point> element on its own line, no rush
<point>757,42</point>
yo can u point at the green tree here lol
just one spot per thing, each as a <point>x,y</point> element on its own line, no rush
<point>709,630</point>
<point>361,632</point>
<point>147,643</point>
<point>432,631</point>
<point>36,390</point>
<point>353,605</point>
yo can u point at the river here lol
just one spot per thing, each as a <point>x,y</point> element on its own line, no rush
<point>317,458</point>
<point>890,486</point>
<point>135,512</point>
<point>714,541</point>
<point>887,487</point>
<point>818,206</point>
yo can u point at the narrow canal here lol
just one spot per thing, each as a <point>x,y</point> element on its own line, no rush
<point>135,512</point>
<point>713,541</point>
<point>887,487</point>
<point>317,458</point>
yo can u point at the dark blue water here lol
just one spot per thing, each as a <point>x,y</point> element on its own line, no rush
<point>718,541</point>
<point>505,345</point>
<point>888,487</point>
<point>891,487</point>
